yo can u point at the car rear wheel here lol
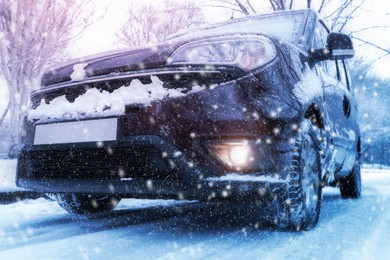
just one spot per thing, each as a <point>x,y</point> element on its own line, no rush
<point>350,186</point>
<point>301,207</point>
<point>86,204</point>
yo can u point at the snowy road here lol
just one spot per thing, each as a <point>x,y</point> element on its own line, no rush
<point>139,229</point>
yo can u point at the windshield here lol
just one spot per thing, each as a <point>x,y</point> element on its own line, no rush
<point>286,25</point>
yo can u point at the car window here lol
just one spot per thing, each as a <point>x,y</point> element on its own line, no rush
<point>319,38</point>
<point>344,73</point>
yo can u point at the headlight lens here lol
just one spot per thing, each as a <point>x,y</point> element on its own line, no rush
<point>247,52</point>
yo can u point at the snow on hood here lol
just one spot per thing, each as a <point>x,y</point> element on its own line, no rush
<point>308,88</point>
<point>97,103</point>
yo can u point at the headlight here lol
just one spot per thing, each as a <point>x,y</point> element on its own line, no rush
<point>246,52</point>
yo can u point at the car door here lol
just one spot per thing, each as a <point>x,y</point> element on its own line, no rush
<point>350,108</point>
<point>337,107</point>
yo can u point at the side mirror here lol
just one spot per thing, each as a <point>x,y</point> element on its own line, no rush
<point>340,46</point>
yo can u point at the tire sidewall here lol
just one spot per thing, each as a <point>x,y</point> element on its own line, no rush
<point>301,215</point>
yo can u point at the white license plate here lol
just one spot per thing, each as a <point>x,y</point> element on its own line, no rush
<point>98,130</point>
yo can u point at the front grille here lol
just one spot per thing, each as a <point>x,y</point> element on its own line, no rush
<point>188,77</point>
<point>144,162</point>
<point>72,92</point>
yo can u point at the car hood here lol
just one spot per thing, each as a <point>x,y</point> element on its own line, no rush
<point>108,63</point>
<point>119,62</point>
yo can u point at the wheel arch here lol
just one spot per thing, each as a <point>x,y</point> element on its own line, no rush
<point>314,114</point>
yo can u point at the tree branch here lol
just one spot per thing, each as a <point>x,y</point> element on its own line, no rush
<point>242,7</point>
<point>372,44</point>
<point>250,6</point>
<point>371,27</point>
<point>222,6</point>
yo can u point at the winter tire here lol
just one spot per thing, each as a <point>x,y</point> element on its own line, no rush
<point>350,186</point>
<point>301,208</point>
<point>86,204</point>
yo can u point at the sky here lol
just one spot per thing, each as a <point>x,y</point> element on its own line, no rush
<point>100,36</point>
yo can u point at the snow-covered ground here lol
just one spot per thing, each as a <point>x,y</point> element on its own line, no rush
<point>144,229</point>
<point>7,176</point>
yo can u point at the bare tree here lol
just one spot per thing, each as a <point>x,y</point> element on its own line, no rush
<point>278,5</point>
<point>342,9</point>
<point>341,14</point>
<point>158,21</point>
<point>33,35</point>
<point>247,7</point>
<point>372,93</point>
<point>240,6</point>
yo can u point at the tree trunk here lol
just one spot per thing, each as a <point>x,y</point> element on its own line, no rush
<point>18,97</point>
<point>5,113</point>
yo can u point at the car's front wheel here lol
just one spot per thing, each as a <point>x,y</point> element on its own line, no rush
<point>301,206</point>
<point>85,203</point>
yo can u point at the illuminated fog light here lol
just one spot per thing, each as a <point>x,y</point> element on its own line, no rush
<point>239,155</point>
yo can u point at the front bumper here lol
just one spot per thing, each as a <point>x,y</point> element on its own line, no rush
<point>141,166</point>
<point>200,190</point>
<point>160,151</point>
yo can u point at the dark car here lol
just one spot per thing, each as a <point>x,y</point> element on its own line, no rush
<point>258,110</point>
